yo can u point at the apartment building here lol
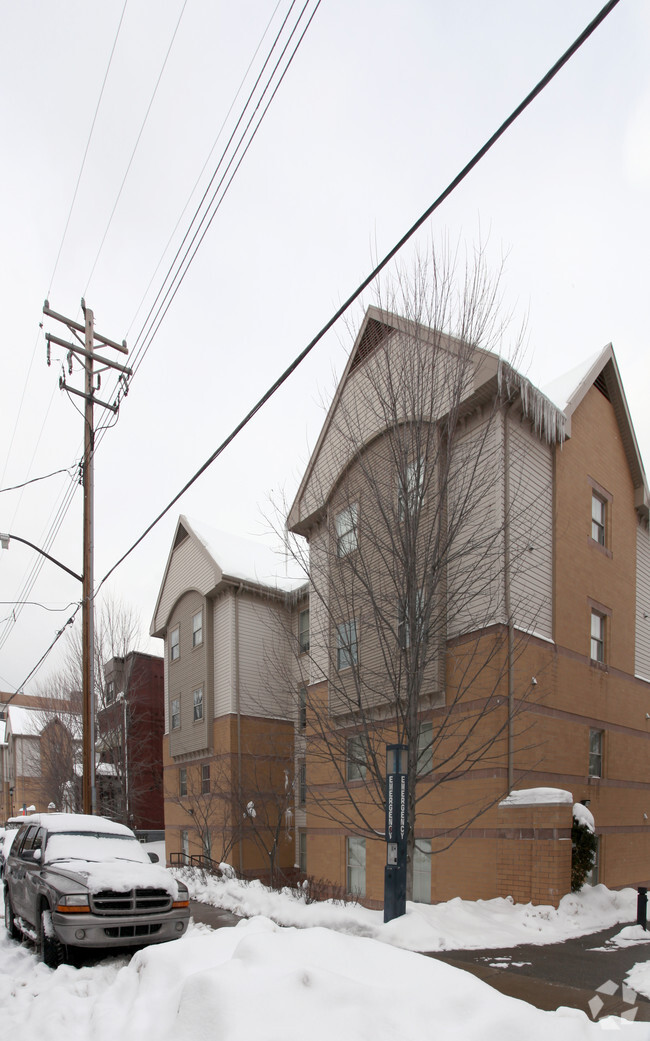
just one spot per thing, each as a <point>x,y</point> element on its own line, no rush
<point>231,620</point>
<point>480,591</point>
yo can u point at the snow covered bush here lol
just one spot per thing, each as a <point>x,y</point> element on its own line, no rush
<point>584,844</point>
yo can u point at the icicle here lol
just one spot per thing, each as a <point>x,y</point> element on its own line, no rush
<point>547,419</point>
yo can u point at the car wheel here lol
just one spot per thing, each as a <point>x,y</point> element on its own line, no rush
<point>50,949</point>
<point>10,924</point>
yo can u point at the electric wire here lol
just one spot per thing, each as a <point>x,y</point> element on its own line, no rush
<point>202,171</point>
<point>476,158</point>
<point>34,480</point>
<point>85,155</point>
<point>135,147</point>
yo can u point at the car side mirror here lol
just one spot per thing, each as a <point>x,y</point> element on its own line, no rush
<point>37,854</point>
<point>154,858</point>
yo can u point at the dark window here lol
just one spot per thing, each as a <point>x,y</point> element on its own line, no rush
<point>197,629</point>
<point>197,697</point>
<point>205,778</point>
<point>597,637</point>
<point>356,758</point>
<point>346,531</point>
<point>182,781</point>
<point>598,518</point>
<point>303,631</point>
<point>175,644</point>
<point>302,782</point>
<point>302,708</point>
<point>347,651</point>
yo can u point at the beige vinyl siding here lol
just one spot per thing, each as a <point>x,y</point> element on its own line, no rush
<point>357,417</point>
<point>263,663</point>
<point>474,573</point>
<point>224,655</point>
<point>187,674</point>
<point>318,613</point>
<point>531,529</point>
<point>642,641</point>
<point>189,568</point>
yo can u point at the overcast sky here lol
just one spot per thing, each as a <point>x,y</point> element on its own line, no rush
<point>382,105</point>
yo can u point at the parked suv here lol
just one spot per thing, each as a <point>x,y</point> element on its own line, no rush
<point>73,880</point>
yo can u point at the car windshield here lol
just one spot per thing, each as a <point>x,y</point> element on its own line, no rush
<point>93,846</point>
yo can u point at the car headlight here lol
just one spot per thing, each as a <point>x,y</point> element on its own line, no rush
<point>73,903</point>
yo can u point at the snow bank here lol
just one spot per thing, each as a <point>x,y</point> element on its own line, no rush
<point>258,982</point>
<point>454,925</point>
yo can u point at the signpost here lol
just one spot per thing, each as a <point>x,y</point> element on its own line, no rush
<point>396,831</point>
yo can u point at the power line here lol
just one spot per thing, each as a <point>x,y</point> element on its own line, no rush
<point>377,270</point>
<point>135,147</point>
<point>45,477</point>
<point>575,46</point>
<point>83,161</point>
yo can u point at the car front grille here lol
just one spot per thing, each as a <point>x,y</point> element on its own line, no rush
<point>134,901</point>
<point>128,932</point>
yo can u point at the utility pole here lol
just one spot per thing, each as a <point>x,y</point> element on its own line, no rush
<point>87,352</point>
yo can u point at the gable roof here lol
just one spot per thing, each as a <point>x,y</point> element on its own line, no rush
<point>227,558</point>
<point>601,370</point>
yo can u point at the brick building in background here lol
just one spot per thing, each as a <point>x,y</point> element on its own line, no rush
<point>130,727</point>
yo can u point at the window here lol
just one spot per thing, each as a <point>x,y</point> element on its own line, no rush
<point>595,753</point>
<point>591,878</point>
<point>176,713</point>
<point>346,531</point>
<point>597,637</point>
<point>425,749</point>
<point>185,846</point>
<point>110,692</point>
<point>422,871</point>
<point>182,781</point>
<point>302,708</point>
<point>356,865</point>
<point>302,782</point>
<point>302,852</point>
<point>409,493</point>
<point>205,778</point>
<point>197,698</point>
<point>356,758</point>
<point>303,631</point>
<point>175,644</point>
<point>197,628</point>
<point>404,626</point>
<point>598,518</point>
<point>346,645</point>
<point>207,845</point>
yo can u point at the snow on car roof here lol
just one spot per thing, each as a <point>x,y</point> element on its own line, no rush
<point>60,822</point>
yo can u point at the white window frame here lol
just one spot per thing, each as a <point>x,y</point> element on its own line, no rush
<point>175,714</point>
<point>346,521</point>
<point>175,643</point>
<point>598,632</point>
<point>355,861</point>
<point>356,757</point>
<point>347,645</point>
<point>197,705</point>
<point>598,519</point>
<point>197,630</point>
<point>595,753</point>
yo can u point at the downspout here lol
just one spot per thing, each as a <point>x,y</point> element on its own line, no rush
<point>238,710</point>
<point>507,602</point>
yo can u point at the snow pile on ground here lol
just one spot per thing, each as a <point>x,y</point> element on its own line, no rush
<point>454,925</point>
<point>258,982</point>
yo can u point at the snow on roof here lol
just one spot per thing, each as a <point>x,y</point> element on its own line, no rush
<point>561,389</point>
<point>60,822</point>
<point>3,732</point>
<point>25,721</point>
<point>537,796</point>
<point>249,559</point>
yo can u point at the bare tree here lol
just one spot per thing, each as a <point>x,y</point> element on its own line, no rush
<point>204,792</point>
<point>411,531</point>
<point>266,804</point>
<point>117,632</point>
